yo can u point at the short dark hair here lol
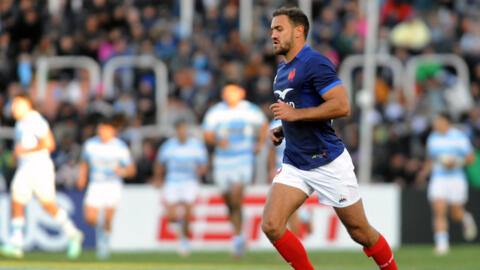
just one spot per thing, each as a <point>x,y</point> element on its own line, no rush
<point>25,96</point>
<point>107,120</point>
<point>296,16</point>
<point>179,122</point>
<point>445,115</point>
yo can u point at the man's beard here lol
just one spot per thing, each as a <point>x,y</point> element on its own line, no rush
<point>283,50</point>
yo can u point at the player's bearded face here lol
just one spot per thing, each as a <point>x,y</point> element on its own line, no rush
<point>283,46</point>
<point>282,35</point>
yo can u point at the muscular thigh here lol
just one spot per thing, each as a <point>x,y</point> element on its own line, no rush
<point>352,216</point>
<point>282,201</point>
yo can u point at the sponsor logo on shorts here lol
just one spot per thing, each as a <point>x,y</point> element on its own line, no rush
<point>342,199</point>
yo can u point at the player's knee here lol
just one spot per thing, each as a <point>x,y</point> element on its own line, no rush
<point>271,227</point>
<point>456,215</point>
<point>358,234</point>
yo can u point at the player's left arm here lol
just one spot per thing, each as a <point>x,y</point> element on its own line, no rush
<point>126,168</point>
<point>470,158</point>
<point>262,137</point>
<point>46,142</point>
<point>468,152</point>
<point>127,171</point>
<point>336,105</point>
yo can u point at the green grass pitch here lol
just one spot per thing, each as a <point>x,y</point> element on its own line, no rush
<point>461,257</point>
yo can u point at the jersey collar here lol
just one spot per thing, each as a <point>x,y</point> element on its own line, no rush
<point>302,51</point>
<point>299,54</point>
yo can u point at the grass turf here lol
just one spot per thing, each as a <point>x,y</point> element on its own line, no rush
<point>461,257</point>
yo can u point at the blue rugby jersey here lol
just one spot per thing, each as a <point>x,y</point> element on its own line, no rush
<point>239,125</point>
<point>182,160</point>
<point>455,144</point>
<point>301,83</point>
<point>102,158</point>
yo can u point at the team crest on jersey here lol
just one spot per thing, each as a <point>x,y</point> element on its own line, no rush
<point>291,75</point>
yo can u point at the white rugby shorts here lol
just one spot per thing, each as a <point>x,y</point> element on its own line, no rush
<point>335,183</point>
<point>177,192</point>
<point>103,194</point>
<point>452,190</point>
<point>34,177</point>
<point>225,178</point>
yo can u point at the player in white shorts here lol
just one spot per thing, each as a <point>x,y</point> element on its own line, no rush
<point>181,162</point>
<point>449,150</point>
<point>105,161</point>
<point>309,95</point>
<point>35,175</point>
<point>237,129</point>
<point>275,158</point>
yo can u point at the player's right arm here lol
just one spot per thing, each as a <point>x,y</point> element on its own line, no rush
<point>211,139</point>
<point>159,169</point>
<point>276,135</point>
<point>158,174</point>
<point>46,142</point>
<point>82,175</point>
<point>424,173</point>
<point>209,126</point>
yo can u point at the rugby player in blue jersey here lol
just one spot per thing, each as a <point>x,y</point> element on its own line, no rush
<point>106,161</point>
<point>181,162</point>
<point>35,175</point>
<point>449,150</point>
<point>237,129</point>
<point>309,94</point>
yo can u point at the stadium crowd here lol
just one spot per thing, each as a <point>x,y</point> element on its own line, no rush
<point>104,29</point>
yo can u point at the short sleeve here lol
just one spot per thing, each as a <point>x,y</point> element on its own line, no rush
<point>202,154</point>
<point>322,74</point>
<point>85,154</point>
<point>430,149</point>
<point>162,153</point>
<point>209,121</point>
<point>260,117</point>
<point>41,127</point>
<point>465,146</point>
<point>125,157</point>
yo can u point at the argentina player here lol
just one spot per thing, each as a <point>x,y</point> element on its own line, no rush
<point>181,162</point>
<point>231,126</point>
<point>105,161</point>
<point>449,150</point>
<point>35,174</point>
<point>309,94</point>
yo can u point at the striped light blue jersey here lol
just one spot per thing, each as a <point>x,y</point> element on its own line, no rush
<point>239,125</point>
<point>455,144</point>
<point>103,158</point>
<point>280,148</point>
<point>28,131</point>
<point>182,160</point>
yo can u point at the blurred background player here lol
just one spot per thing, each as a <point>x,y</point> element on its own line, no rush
<point>275,160</point>
<point>105,161</point>
<point>35,174</point>
<point>449,150</point>
<point>181,162</point>
<point>237,129</point>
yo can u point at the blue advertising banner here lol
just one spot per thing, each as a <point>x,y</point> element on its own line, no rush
<point>41,230</point>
